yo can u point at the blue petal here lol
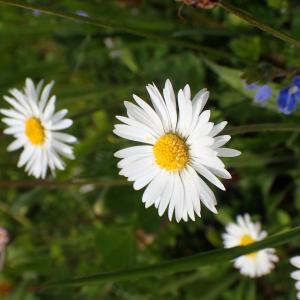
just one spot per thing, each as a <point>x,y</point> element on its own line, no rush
<point>36,12</point>
<point>251,86</point>
<point>286,102</point>
<point>296,81</point>
<point>81,13</point>
<point>263,93</point>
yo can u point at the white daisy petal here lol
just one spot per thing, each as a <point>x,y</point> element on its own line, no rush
<point>185,114</point>
<point>64,124</point>
<point>178,140</point>
<point>198,104</point>
<point>167,194</point>
<point>57,117</point>
<point>36,128</point>
<point>170,100</point>
<point>45,95</point>
<point>11,113</point>
<point>17,144</point>
<point>133,151</point>
<point>144,114</point>
<point>295,261</point>
<point>227,152</point>
<point>154,189</point>
<point>218,128</point>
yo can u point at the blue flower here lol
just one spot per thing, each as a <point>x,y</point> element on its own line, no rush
<point>36,12</point>
<point>263,92</point>
<point>81,13</point>
<point>289,96</point>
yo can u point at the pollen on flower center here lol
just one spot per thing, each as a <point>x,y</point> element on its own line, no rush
<point>34,130</point>
<point>247,240</point>
<point>171,152</point>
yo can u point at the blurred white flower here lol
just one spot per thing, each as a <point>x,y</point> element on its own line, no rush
<point>179,145</point>
<point>36,127</point>
<point>295,261</point>
<point>242,233</point>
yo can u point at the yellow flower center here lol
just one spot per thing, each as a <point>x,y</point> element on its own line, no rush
<point>35,131</point>
<point>171,152</point>
<point>247,240</point>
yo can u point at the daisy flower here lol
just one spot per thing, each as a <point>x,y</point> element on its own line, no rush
<point>295,261</point>
<point>36,127</point>
<point>180,146</point>
<point>242,233</point>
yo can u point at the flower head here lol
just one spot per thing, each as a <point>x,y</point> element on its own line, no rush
<point>179,145</point>
<point>263,92</point>
<point>36,127</point>
<point>295,261</point>
<point>289,96</point>
<point>243,233</point>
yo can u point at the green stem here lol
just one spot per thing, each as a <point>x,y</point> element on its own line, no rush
<point>112,25</point>
<point>63,184</point>
<point>258,24</point>
<point>262,128</point>
<point>190,263</point>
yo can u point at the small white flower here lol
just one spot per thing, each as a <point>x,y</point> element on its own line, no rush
<point>244,233</point>
<point>179,144</point>
<point>36,126</point>
<point>295,261</point>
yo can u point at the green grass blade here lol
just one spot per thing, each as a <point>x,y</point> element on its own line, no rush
<point>184,264</point>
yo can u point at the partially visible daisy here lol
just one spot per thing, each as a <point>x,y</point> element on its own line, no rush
<point>180,146</point>
<point>242,233</point>
<point>295,261</point>
<point>36,127</point>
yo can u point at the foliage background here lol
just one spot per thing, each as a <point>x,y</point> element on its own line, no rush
<point>64,230</point>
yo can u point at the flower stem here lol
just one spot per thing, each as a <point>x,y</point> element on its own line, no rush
<point>190,263</point>
<point>60,184</point>
<point>113,25</point>
<point>256,23</point>
<point>262,128</point>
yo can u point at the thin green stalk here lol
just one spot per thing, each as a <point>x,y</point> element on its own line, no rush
<point>112,25</point>
<point>262,128</point>
<point>258,24</point>
<point>184,264</point>
<point>61,184</point>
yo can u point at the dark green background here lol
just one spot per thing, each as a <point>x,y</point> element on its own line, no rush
<point>60,232</point>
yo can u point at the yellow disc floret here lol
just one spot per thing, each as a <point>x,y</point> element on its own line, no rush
<point>171,152</point>
<point>34,130</point>
<point>247,240</point>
